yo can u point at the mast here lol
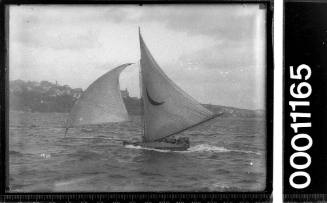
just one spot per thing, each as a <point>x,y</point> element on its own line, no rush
<point>141,92</point>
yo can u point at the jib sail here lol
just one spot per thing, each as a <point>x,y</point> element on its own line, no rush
<point>101,102</point>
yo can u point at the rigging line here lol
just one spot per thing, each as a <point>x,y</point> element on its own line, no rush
<point>66,130</point>
<point>213,117</point>
<point>37,127</point>
<point>117,139</point>
<point>66,126</point>
<point>104,138</point>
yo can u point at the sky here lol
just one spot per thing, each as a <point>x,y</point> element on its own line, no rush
<point>216,53</point>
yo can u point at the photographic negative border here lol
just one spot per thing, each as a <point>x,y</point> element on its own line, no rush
<point>263,196</point>
<point>305,39</point>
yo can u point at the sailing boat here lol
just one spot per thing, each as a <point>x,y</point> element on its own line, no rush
<point>167,109</point>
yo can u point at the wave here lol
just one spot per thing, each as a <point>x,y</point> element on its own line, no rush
<point>45,155</point>
<point>247,152</point>
<point>223,187</point>
<point>85,155</point>
<point>15,153</point>
<point>196,148</point>
<point>87,130</point>
<point>94,138</point>
<point>145,148</point>
<point>207,148</point>
<point>72,184</point>
<point>80,137</point>
<point>211,148</point>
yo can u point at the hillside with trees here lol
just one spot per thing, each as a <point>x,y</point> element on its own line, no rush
<point>45,96</point>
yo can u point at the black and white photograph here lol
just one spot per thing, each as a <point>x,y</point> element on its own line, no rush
<point>137,98</point>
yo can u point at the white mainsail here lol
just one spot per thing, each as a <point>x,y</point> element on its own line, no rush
<point>101,102</point>
<point>167,108</point>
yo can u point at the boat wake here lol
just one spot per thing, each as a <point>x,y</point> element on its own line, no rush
<point>197,148</point>
<point>211,148</point>
<point>207,148</point>
<point>247,152</point>
<point>145,148</point>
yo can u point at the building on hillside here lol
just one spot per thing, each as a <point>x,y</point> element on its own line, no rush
<point>124,93</point>
<point>77,92</point>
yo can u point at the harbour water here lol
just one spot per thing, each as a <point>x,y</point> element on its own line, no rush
<point>226,154</point>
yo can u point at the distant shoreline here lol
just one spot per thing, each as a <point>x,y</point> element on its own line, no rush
<point>44,96</point>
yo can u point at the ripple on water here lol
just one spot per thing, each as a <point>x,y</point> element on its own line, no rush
<point>89,159</point>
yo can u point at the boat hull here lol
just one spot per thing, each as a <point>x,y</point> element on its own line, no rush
<point>160,145</point>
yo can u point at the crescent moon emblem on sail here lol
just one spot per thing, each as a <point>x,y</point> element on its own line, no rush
<point>152,101</point>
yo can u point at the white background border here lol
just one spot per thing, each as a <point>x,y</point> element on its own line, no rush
<point>278,101</point>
